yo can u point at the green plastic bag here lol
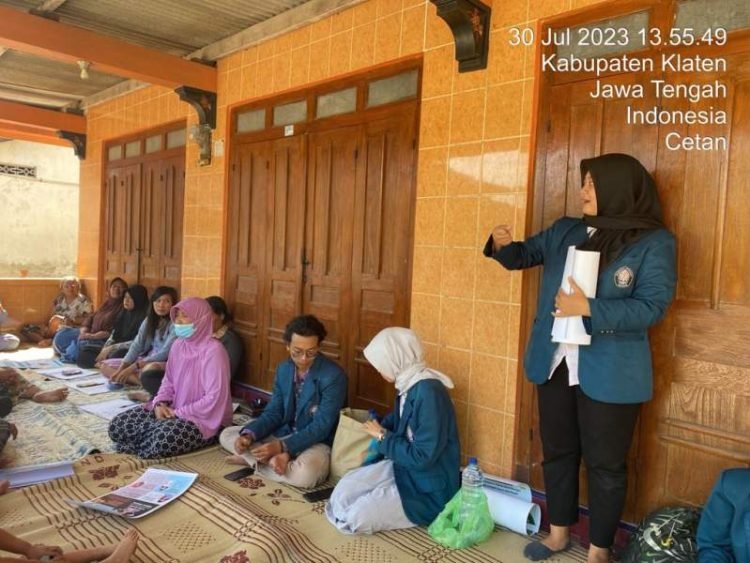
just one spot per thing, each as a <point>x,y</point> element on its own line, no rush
<point>448,531</point>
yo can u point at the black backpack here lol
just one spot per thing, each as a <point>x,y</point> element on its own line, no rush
<point>665,535</point>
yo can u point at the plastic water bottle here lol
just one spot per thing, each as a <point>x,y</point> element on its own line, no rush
<point>472,494</point>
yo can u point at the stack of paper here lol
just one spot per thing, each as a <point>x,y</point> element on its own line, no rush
<point>32,474</point>
<point>109,409</point>
<point>69,372</point>
<point>583,267</point>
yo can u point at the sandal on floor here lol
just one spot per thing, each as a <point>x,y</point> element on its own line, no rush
<point>537,551</point>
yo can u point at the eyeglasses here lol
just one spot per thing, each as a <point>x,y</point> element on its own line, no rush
<point>298,354</point>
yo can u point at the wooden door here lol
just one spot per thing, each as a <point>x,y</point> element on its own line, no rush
<point>332,187</point>
<point>284,235</point>
<point>144,222</point>
<point>246,255</point>
<point>161,213</point>
<point>122,223</point>
<point>322,224</point>
<point>381,270</point>
<point>697,422</point>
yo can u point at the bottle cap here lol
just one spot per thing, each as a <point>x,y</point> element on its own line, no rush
<point>472,461</point>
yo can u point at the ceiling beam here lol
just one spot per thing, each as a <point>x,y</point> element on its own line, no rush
<point>287,21</point>
<point>25,133</point>
<point>52,40</point>
<point>47,119</point>
<point>284,22</point>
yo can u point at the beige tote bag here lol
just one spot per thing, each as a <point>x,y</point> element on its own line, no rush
<point>350,443</point>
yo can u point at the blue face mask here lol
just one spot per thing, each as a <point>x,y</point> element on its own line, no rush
<point>184,331</point>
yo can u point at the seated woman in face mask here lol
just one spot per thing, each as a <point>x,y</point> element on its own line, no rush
<point>193,403</point>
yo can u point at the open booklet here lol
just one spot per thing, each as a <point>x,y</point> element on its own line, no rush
<point>154,489</point>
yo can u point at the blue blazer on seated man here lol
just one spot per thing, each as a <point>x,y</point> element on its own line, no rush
<point>291,441</point>
<point>633,293</point>
<point>724,529</point>
<point>310,419</point>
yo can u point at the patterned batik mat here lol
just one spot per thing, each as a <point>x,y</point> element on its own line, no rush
<point>49,432</point>
<point>252,520</point>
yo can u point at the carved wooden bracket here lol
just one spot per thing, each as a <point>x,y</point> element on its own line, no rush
<point>469,21</point>
<point>78,140</point>
<point>202,101</point>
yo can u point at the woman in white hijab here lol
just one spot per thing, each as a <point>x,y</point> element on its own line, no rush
<point>419,440</point>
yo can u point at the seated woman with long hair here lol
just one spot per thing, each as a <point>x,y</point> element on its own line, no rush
<point>135,307</point>
<point>144,362</point>
<point>419,441</point>
<point>193,403</point>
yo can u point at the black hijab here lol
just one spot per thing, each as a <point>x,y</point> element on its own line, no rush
<point>128,322</point>
<point>627,204</point>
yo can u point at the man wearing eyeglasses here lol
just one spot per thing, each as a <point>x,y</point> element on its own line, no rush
<point>291,441</point>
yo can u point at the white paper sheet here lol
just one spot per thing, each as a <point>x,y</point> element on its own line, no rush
<point>583,266</point>
<point>510,505</point>
<point>91,385</point>
<point>32,474</point>
<point>62,373</point>
<point>31,364</point>
<point>109,409</point>
<point>150,492</point>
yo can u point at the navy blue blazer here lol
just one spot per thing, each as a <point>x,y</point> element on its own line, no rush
<point>724,529</point>
<point>322,397</point>
<point>426,468</point>
<point>632,294</point>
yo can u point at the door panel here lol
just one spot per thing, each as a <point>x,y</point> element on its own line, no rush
<point>382,252</point>
<point>144,222</point>
<point>330,221</point>
<point>246,264</point>
<point>697,422</point>
<point>285,234</point>
<point>123,199</point>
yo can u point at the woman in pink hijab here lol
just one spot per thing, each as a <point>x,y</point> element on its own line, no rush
<point>193,402</point>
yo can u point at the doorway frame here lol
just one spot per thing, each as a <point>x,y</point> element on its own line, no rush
<point>661,17</point>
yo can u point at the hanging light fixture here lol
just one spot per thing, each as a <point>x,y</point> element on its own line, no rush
<point>84,66</point>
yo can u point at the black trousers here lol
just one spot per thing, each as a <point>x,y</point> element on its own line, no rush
<point>151,380</point>
<point>574,426</point>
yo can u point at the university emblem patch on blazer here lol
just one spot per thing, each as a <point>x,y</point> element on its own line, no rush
<point>624,277</point>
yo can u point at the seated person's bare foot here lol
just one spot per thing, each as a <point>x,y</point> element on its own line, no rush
<point>54,396</point>
<point>125,548</point>
<point>119,553</point>
<point>140,395</point>
<point>4,486</point>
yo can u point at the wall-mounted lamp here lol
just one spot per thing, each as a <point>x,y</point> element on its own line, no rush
<point>84,66</point>
<point>201,135</point>
<point>204,104</point>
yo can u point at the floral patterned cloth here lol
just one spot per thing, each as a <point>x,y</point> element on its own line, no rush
<point>77,309</point>
<point>220,521</point>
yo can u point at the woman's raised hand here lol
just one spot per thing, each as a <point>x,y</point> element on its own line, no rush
<point>501,236</point>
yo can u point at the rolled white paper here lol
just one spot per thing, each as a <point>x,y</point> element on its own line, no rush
<point>510,505</point>
<point>583,266</point>
<point>515,514</point>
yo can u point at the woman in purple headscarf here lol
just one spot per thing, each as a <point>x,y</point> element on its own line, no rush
<point>193,402</point>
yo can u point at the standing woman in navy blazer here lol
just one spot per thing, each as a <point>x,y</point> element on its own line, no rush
<point>419,441</point>
<point>589,396</point>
